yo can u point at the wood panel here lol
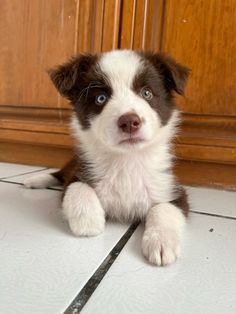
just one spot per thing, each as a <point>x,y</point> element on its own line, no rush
<point>214,175</point>
<point>33,37</point>
<point>201,34</point>
<point>111,25</point>
<point>141,24</point>
<point>89,26</point>
<point>207,138</point>
<point>98,25</point>
<point>208,130</point>
<point>35,154</point>
<point>48,33</point>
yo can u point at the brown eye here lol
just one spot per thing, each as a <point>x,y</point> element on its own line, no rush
<point>101,99</point>
<point>146,93</point>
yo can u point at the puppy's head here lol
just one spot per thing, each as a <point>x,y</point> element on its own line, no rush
<point>121,98</point>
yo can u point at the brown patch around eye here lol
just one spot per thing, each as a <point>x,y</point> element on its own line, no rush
<point>86,106</point>
<point>159,100</point>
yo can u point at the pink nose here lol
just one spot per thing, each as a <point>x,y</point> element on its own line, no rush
<point>129,123</point>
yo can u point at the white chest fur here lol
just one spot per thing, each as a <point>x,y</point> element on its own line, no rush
<point>129,186</point>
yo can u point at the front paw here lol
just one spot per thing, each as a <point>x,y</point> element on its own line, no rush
<point>87,226</point>
<point>160,247</point>
<point>82,209</point>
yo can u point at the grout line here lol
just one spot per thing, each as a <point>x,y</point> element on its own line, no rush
<point>21,174</point>
<point>20,183</point>
<point>60,190</point>
<point>55,189</point>
<point>213,215</point>
<point>85,293</point>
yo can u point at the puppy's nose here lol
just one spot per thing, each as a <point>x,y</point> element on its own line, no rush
<point>129,123</point>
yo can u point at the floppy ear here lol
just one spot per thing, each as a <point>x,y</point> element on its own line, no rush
<point>66,77</point>
<point>174,74</point>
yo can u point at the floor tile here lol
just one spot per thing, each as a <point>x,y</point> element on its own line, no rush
<point>202,281</point>
<point>43,266</point>
<point>20,178</point>
<point>8,169</point>
<point>212,201</point>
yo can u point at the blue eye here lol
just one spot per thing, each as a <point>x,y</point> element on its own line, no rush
<point>101,99</point>
<point>146,93</point>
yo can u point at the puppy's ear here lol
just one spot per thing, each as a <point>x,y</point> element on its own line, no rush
<point>175,75</point>
<point>66,77</point>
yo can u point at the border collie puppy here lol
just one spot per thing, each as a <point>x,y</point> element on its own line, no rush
<point>124,119</point>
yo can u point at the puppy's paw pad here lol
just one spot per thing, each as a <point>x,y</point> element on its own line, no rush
<point>88,227</point>
<point>160,247</point>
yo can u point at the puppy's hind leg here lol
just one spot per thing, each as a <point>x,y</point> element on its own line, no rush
<point>83,210</point>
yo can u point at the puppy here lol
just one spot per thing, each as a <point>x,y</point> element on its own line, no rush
<point>124,118</point>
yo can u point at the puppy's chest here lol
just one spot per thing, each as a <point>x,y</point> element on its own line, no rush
<point>127,191</point>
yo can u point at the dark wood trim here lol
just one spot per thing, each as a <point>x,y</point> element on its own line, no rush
<point>208,130</point>
<point>34,154</point>
<point>23,113</point>
<point>206,174</point>
<point>224,155</point>
<point>188,172</point>
<point>207,139</point>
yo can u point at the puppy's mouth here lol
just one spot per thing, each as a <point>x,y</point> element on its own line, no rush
<point>132,140</point>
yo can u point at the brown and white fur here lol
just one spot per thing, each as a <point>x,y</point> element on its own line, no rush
<point>124,118</point>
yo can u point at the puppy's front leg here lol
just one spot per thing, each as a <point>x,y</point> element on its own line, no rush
<point>161,239</point>
<point>83,210</point>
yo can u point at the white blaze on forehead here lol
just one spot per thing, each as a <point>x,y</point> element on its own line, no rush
<point>121,66</point>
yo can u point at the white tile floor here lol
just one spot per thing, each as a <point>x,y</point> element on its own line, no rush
<point>43,267</point>
<point>8,170</point>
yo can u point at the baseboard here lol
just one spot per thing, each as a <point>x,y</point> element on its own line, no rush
<point>188,172</point>
<point>215,175</point>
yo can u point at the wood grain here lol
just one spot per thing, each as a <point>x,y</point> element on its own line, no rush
<point>98,25</point>
<point>224,155</point>
<point>35,35</point>
<point>201,34</point>
<point>206,174</point>
<point>208,130</point>
<point>111,25</point>
<point>141,24</point>
<point>89,26</point>
<point>23,153</point>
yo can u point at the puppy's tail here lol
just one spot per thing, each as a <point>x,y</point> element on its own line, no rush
<point>41,180</point>
<point>61,177</point>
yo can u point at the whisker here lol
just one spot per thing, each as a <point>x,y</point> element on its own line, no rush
<point>86,89</point>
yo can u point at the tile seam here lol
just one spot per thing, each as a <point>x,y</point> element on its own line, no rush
<point>93,283</point>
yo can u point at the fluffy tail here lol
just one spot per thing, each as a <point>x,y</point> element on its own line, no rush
<point>62,177</point>
<point>40,181</point>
